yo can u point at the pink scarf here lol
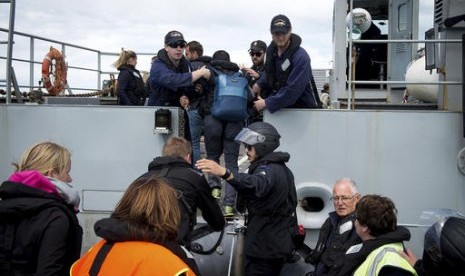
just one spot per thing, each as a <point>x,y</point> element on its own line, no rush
<point>34,179</point>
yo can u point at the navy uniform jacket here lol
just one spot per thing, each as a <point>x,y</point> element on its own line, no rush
<point>168,81</point>
<point>265,190</point>
<point>295,91</point>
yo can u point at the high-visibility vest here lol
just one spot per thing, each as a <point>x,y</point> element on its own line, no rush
<point>133,258</point>
<point>386,255</point>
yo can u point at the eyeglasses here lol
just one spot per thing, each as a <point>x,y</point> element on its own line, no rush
<point>258,54</point>
<point>177,44</point>
<point>344,199</point>
<point>248,147</point>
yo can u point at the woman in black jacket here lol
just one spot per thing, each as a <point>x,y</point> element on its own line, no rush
<point>130,89</point>
<point>39,230</point>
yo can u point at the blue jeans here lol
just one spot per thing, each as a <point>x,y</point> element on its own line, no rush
<point>196,126</point>
<point>219,139</point>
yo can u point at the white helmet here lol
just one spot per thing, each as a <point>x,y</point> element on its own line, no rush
<point>361,20</point>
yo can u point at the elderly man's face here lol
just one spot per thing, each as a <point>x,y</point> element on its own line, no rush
<point>344,199</point>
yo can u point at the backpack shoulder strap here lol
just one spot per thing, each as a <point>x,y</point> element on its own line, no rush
<point>100,258</point>
<point>164,173</point>
<point>217,72</point>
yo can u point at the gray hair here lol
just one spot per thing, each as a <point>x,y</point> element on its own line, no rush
<point>352,184</point>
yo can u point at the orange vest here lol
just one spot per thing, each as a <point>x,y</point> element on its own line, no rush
<point>133,258</point>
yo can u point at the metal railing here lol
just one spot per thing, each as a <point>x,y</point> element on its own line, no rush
<point>32,61</point>
<point>351,41</point>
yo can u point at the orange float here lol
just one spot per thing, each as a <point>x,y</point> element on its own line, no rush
<point>59,73</point>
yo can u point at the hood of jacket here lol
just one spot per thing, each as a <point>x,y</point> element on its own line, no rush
<point>127,67</point>
<point>113,230</point>
<point>271,57</point>
<point>165,161</point>
<point>224,65</point>
<point>19,200</point>
<point>274,157</point>
<point>182,67</point>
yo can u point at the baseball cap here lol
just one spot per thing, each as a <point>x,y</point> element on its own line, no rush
<point>257,46</point>
<point>280,24</point>
<point>173,37</point>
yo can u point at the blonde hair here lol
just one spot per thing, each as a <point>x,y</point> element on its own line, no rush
<point>177,146</point>
<point>123,58</point>
<point>45,157</point>
<point>150,208</point>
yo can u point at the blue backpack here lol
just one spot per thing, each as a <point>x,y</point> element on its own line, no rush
<point>230,97</point>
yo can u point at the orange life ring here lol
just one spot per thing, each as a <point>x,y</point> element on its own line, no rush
<point>59,81</point>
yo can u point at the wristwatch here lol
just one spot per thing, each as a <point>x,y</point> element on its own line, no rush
<point>227,174</point>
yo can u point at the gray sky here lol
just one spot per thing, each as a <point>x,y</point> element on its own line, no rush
<point>141,25</point>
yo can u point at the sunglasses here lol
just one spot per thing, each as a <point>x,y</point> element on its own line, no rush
<point>258,54</point>
<point>248,147</point>
<point>177,44</point>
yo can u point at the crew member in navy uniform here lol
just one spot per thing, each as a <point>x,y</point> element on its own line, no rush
<point>172,79</point>
<point>257,54</point>
<point>266,189</point>
<point>288,77</point>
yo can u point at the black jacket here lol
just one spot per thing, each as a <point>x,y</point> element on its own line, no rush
<point>336,236</point>
<point>131,89</point>
<point>265,191</point>
<point>47,240</point>
<point>201,86</point>
<point>354,260</point>
<point>194,193</point>
<point>113,230</point>
<point>257,68</point>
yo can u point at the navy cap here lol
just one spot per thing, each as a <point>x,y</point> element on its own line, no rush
<point>280,24</point>
<point>257,46</point>
<point>173,37</point>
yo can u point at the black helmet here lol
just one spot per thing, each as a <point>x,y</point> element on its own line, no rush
<point>263,136</point>
<point>444,252</point>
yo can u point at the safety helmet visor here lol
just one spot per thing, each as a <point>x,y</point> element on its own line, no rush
<point>249,137</point>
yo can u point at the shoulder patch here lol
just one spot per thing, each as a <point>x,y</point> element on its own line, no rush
<point>262,169</point>
<point>354,248</point>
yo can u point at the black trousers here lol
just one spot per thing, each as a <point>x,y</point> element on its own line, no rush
<point>263,267</point>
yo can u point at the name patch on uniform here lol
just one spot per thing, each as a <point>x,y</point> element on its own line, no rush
<point>346,227</point>
<point>285,64</point>
<point>354,248</point>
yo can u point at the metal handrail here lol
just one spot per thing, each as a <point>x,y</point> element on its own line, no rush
<point>33,38</point>
<point>352,41</point>
<point>385,41</point>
